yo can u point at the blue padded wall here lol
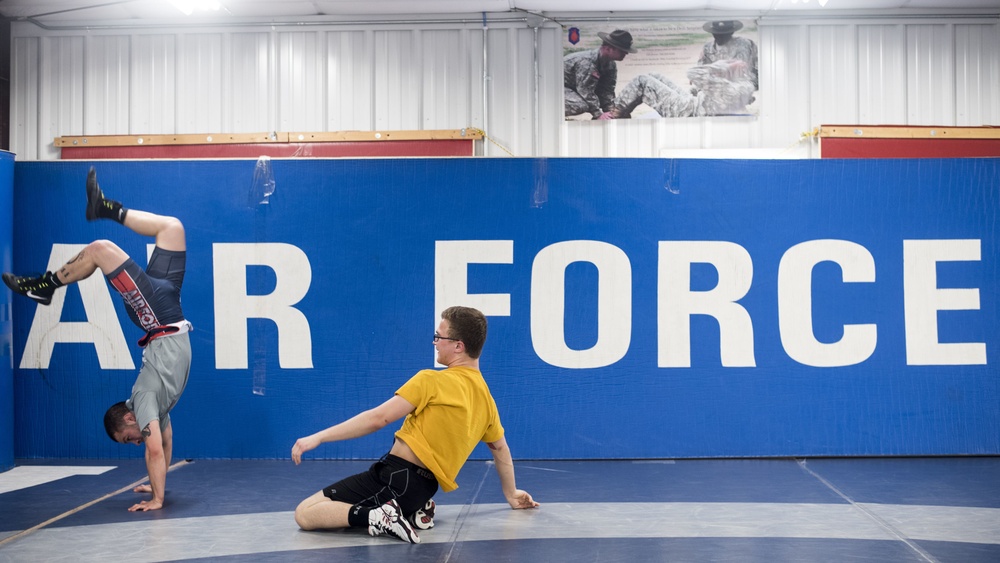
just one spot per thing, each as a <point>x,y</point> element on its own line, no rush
<point>638,308</point>
<point>6,373</point>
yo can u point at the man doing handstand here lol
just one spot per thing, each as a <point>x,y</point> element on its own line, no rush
<point>154,299</point>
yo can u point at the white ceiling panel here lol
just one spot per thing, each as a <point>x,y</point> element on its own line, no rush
<point>333,7</point>
<point>759,6</point>
<point>63,11</point>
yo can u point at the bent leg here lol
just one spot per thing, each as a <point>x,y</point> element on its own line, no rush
<point>100,254</point>
<point>574,103</point>
<point>169,231</point>
<point>319,512</point>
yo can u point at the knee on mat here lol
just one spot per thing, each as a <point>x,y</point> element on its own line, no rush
<point>301,520</point>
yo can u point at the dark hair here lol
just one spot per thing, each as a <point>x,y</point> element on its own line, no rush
<point>114,419</point>
<point>469,326</point>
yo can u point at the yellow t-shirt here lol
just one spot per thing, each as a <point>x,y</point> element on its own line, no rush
<point>454,412</point>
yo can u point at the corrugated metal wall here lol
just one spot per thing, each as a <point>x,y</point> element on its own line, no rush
<point>421,75</point>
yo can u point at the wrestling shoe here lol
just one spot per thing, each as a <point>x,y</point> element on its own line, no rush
<point>388,519</point>
<point>423,518</point>
<point>95,197</point>
<point>38,289</point>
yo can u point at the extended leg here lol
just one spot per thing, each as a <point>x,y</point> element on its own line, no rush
<point>664,97</point>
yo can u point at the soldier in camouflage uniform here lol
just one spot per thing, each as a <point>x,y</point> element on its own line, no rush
<point>722,88</point>
<point>725,47</point>
<point>590,77</point>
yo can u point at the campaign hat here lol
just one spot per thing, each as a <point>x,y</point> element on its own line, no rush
<point>619,39</point>
<point>723,27</point>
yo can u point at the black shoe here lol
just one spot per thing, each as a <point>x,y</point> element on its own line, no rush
<point>423,518</point>
<point>95,198</point>
<point>388,519</point>
<point>37,289</point>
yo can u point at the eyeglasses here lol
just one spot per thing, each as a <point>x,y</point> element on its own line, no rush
<point>439,337</point>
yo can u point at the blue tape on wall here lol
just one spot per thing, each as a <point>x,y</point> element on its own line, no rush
<point>638,308</point>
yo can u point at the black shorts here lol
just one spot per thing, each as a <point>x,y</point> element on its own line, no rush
<point>389,478</point>
<point>153,295</point>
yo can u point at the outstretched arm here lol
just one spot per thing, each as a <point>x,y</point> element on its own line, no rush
<point>359,425</point>
<point>168,443</point>
<point>505,469</point>
<point>167,434</point>
<point>155,466</point>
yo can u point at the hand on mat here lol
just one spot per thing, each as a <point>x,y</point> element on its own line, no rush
<point>303,445</point>
<point>143,489</point>
<point>521,499</point>
<point>146,505</point>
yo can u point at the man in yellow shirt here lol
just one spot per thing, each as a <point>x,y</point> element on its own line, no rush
<point>447,413</point>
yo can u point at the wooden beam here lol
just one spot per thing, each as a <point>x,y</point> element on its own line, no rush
<point>193,139</point>
<point>469,134</point>
<point>357,136</point>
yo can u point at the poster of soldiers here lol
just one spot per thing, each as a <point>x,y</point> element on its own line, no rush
<point>634,70</point>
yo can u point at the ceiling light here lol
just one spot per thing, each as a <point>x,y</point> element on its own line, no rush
<point>187,7</point>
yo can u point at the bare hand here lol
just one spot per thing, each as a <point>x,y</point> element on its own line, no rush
<point>303,445</point>
<point>143,489</point>
<point>521,499</point>
<point>606,115</point>
<point>146,505</point>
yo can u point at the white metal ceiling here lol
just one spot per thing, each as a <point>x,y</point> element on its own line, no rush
<point>67,11</point>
